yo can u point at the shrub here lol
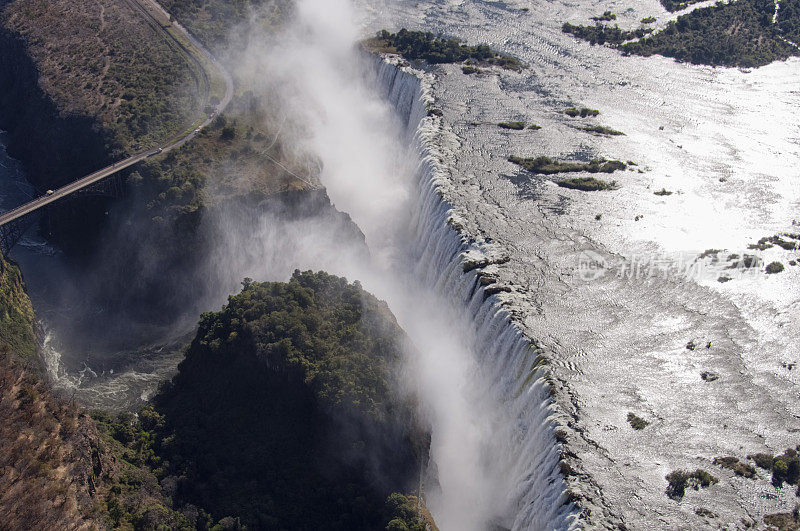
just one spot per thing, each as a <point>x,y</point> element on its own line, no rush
<point>467,69</point>
<point>738,468</point>
<point>774,267</point>
<point>762,460</point>
<point>547,166</point>
<point>517,126</point>
<point>680,479</point>
<point>582,112</point>
<point>601,130</point>
<point>637,422</point>
<point>648,20</point>
<point>606,16</point>
<point>602,34</point>
<point>415,45</point>
<point>534,127</point>
<point>587,184</point>
<point>662,192</point>
<point>228,133</point>
<point>709,376</point>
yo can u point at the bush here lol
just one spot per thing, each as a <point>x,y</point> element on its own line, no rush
<point>602,34</point>
<point>582,112</point>
<point>738,468</point>
<point>774,267</point>
<point>601,130</point>
<point>467,69</point>
<point>517,126</point>
<point>648,20</point>
<point>607,15</point>
<point>415,45</point>
<point>662,192</point>
<point>709,376</point>
<point>637,422</point>
<point>587,184</point>
<point>702,37</point>
<point>547,166</point>
<point>679,480</point>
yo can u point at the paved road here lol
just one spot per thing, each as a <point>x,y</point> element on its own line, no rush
<point>145,6</point>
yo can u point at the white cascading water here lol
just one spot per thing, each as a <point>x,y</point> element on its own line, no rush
<point>495,459</point>
<point>524,450</point>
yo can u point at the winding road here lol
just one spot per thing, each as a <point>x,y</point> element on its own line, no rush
<point>151,10</point>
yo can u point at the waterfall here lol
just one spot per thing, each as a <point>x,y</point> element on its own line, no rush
<point>525,447</point>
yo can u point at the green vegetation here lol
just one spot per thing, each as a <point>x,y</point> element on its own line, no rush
<point>468,69</point>
<point>16,313</point>
<point>583,112</point>
<point>679,480</point>
<point>709,376</point>
<point>283,415</point>
<point>662,192</point>
<point>769,241</point>
<point>738,468</point>
<point>785,467</point>
<point>603,34</point>
<point>317,356</point>
<point>601,130</point>
<point>135,499</point>
<point>738,33</point>
<point>672,5</point>
<point>408,514</point>
<point>607,15</point>
<point>547,166</point>
<point>637,422</point>
<point>517,126</point>
<point>784,521</point>
<point>774,267</point>
<point>587,184</point>
<point>211,20</point>
<point>414,45</point>
<point>534,127</point>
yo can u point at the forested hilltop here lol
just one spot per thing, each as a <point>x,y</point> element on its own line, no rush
<point>739,33</point>
<point>285,414</point>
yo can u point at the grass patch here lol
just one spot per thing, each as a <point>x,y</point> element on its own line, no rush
<point>517,126</point>
<point>601,130</point>
<point>547,166</point>
<point>679,480</point>
<point>637,422</point>
<point>583,112</point>
<point>414,45</point>
<point>587,184</point>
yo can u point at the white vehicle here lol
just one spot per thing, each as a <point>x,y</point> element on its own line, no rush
<point>49,192</point>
